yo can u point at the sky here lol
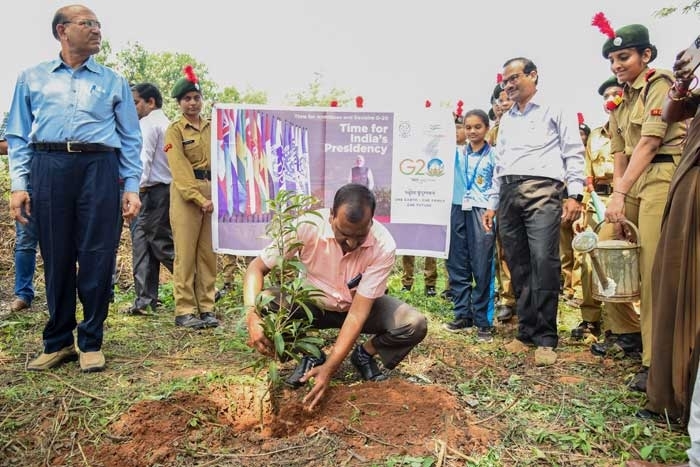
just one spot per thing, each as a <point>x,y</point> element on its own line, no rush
<point>393,54</point>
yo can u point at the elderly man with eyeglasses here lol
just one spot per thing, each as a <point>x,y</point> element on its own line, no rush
<point>73,129</point>
<point>538,152</point>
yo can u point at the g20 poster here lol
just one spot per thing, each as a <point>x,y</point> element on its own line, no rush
<point>406,159</point>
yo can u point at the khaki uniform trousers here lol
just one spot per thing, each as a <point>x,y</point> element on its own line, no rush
<point>194,270</point>
<point>231,264</point>
<point>409,265</point>
<point>506,295</point>
<point>570,260</point>
<point>644,207</point>
<point>619,318</point>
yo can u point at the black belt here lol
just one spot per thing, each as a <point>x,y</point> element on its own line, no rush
<point>71,146</point>
<point>202,174</point>
<point>605,190</point>
<point>508,179</point>
<point>145,189</point>
<point>659,158</point>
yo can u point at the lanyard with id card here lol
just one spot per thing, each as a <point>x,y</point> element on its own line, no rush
<point>466,200</point>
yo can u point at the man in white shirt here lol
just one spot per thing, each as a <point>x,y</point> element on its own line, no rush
<point>538,151</point>
<point>151,235</point>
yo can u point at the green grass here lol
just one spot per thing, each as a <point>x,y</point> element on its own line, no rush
<point>540,419</point>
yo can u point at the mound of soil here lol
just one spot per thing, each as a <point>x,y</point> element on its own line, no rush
<point>361,423</point>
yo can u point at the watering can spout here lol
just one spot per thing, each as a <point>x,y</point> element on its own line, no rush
<point>615,262</point>
<point>586,242</point>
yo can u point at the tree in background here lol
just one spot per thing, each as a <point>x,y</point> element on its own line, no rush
<point>163,69</point>
<point>692,7</point>
<point>315,95</point>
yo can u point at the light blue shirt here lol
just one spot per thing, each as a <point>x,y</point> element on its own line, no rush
<point>92,104</point>
<point>154,159</point>
<point>474,175</point>
<point>542,141</point>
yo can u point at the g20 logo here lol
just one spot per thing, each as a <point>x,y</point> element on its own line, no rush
<point>433,168</point>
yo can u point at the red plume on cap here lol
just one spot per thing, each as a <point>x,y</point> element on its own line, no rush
<point>334,103</point>
<point>189,74</point>
<point>499,78</point>
<point>460,103</point>
<point>359,102</point>
<point>428,103</point>
<point>600,21</point>
<point>580,118</point>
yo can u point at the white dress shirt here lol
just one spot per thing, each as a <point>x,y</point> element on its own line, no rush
<point>541,141</point>
<point>153,157</point>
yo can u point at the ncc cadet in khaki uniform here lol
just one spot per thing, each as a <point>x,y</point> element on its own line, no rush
<point>623,337</point>
<point>430,274</point>
<point>646,151</point>
<point>506,296</point>
<point>188,145</point>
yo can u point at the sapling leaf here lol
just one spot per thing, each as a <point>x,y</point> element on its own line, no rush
<point>279,343</point>
<point>314,340</point>
<point>309,348</point>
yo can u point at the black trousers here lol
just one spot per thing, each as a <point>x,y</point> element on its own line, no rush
<point>76,206</point>
<point>529,216</point>
<point>152,244</point>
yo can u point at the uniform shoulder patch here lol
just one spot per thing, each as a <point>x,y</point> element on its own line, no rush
<point>655,112</point>
<point>167,147</point>
<point>649,74</point>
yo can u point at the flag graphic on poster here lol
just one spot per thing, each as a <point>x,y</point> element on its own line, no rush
<point>224,189</point>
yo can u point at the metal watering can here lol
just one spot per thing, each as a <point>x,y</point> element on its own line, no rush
<point>615,264</point>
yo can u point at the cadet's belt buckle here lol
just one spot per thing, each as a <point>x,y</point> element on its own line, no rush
<point>68,147</point>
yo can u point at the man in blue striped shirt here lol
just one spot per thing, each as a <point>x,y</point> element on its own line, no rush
<point>74,132</point>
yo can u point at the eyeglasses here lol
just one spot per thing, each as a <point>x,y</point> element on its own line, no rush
<point>511,79</point>
<point>86,23</point>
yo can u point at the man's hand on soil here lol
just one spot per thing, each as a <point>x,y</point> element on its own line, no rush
<point>322,375</point>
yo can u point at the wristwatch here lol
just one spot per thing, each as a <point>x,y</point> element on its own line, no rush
<point>578,197</point>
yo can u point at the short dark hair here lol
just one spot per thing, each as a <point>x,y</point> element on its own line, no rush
<point>59,18</point>
<point>356,198</point>
<point>148,91</point>
<point>496,94</point>
<point>478,113</point>
<point>528,65</point>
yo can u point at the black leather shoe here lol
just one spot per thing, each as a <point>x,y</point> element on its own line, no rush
<point>504,313</point>
<point>189,321</point>
<point>645,414</point>
<point>221,293</point>
<point>600,349</point>
<point>619,346</point>
<point>459,324</point>
<point>584,329</point>
<point>135,311</point>
<point>631,345</point>
<point>639,381</point>
<point>368,370</point>
<point>406,288</point>
<point>306,363</point>
<point>209,319</point>
<point>606,348</point>
<point>430,291</point>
